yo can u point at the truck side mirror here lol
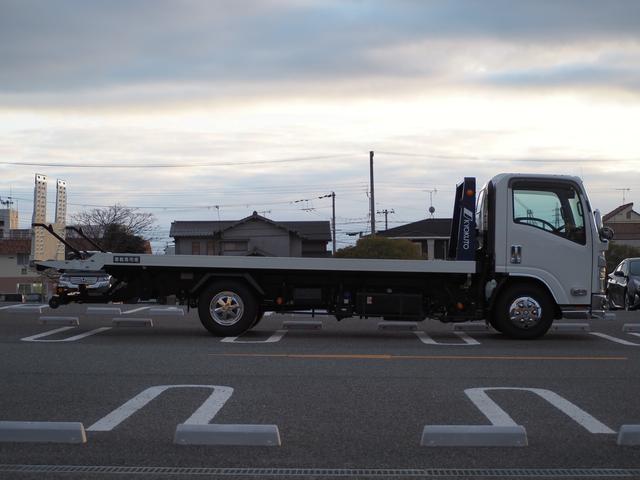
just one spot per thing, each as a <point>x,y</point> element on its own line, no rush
<point>606,233</point>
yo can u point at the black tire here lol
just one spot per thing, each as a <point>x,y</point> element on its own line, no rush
<point>626,300</point>
<point>237,304</point>
<point>523,312</point>
<point>494,324</point>
<point>54,302</point>
<point>258,318</point>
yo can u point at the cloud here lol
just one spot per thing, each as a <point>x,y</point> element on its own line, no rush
<point>438,89</point>
<point>569,76</point>
<point>75,51</point>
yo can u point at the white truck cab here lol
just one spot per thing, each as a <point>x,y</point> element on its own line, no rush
<point>545,230</point>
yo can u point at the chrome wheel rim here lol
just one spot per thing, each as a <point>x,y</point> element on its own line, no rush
<point>226,308</point>
<point>525,312</point>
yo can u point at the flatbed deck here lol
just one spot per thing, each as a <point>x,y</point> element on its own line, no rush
<point>101,260</point>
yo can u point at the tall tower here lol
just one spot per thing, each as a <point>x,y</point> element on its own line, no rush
<point>61,216</point>
<point>38,239</point>
<point>43,245</point>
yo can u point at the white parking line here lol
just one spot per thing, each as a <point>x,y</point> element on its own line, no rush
<point>275,337</point>
<point>616,339</point>
<point>202,416</point>
<point>23,307</point>
<point>11,306</point>
<point>37,338</point>
<point>497,416</point>
<point>426,339</point>
<point>136,310</point>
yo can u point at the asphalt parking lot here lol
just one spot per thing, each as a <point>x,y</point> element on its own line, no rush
<point>348,400</point>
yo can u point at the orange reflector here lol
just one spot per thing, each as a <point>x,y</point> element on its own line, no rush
<point>279,301</point>
<point>470,193</point>
<point>460,306</point>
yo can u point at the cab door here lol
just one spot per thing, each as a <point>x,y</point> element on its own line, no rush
<point>547,238</point>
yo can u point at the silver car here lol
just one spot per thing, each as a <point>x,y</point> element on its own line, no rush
<point>95,282</point>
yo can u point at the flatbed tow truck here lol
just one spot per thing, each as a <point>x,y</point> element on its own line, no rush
<point>529,251</point>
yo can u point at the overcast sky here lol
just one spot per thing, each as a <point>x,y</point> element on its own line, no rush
<point>249,105</point>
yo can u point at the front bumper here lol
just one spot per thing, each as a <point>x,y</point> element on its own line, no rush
<point>597,310</point>
<point>599,307</point>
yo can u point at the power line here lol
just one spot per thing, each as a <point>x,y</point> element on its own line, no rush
<point>509,159</point>
<point>178,165</point>
<point>177,208</point>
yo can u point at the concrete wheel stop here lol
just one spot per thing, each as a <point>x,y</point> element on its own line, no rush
<point>217,434</point>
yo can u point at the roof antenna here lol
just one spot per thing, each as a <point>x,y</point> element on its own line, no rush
<point>432,209</point>
<point>623,193</point>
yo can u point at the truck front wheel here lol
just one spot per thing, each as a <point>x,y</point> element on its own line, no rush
<point>227,309</point>
<point>523,312</point>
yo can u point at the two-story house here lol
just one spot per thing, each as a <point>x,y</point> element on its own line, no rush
<point>253,235</point>
<point>626,225</point>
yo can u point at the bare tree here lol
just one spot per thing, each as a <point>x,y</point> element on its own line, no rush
<point>97,221</point>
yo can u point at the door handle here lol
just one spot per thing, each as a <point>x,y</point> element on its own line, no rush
<point>516,253</point>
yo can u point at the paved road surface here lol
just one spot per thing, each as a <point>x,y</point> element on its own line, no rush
<point>345,397</point>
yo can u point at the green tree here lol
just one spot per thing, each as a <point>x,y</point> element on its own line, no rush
<point>117,239</point>
<point>381,247</point>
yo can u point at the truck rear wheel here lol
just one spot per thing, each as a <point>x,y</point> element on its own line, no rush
<point>227,309</point>
<point>523,312</point>
<point>258,317</point>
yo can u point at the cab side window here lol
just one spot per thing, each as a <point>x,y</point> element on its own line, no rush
<point>555,208</point>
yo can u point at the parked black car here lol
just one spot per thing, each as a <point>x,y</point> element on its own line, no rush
<point>623,285</point>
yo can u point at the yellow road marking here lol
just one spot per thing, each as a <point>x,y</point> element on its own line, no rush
<point>414,357</point>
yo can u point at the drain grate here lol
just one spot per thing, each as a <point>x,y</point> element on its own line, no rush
<point>333,472</point>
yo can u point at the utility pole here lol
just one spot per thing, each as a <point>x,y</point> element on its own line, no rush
<point>556,217</point>
<point>372,199</point>
<point>386,213</point>
<point>331,195</point>
<point>333,219</point>
<point>219,242</point>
